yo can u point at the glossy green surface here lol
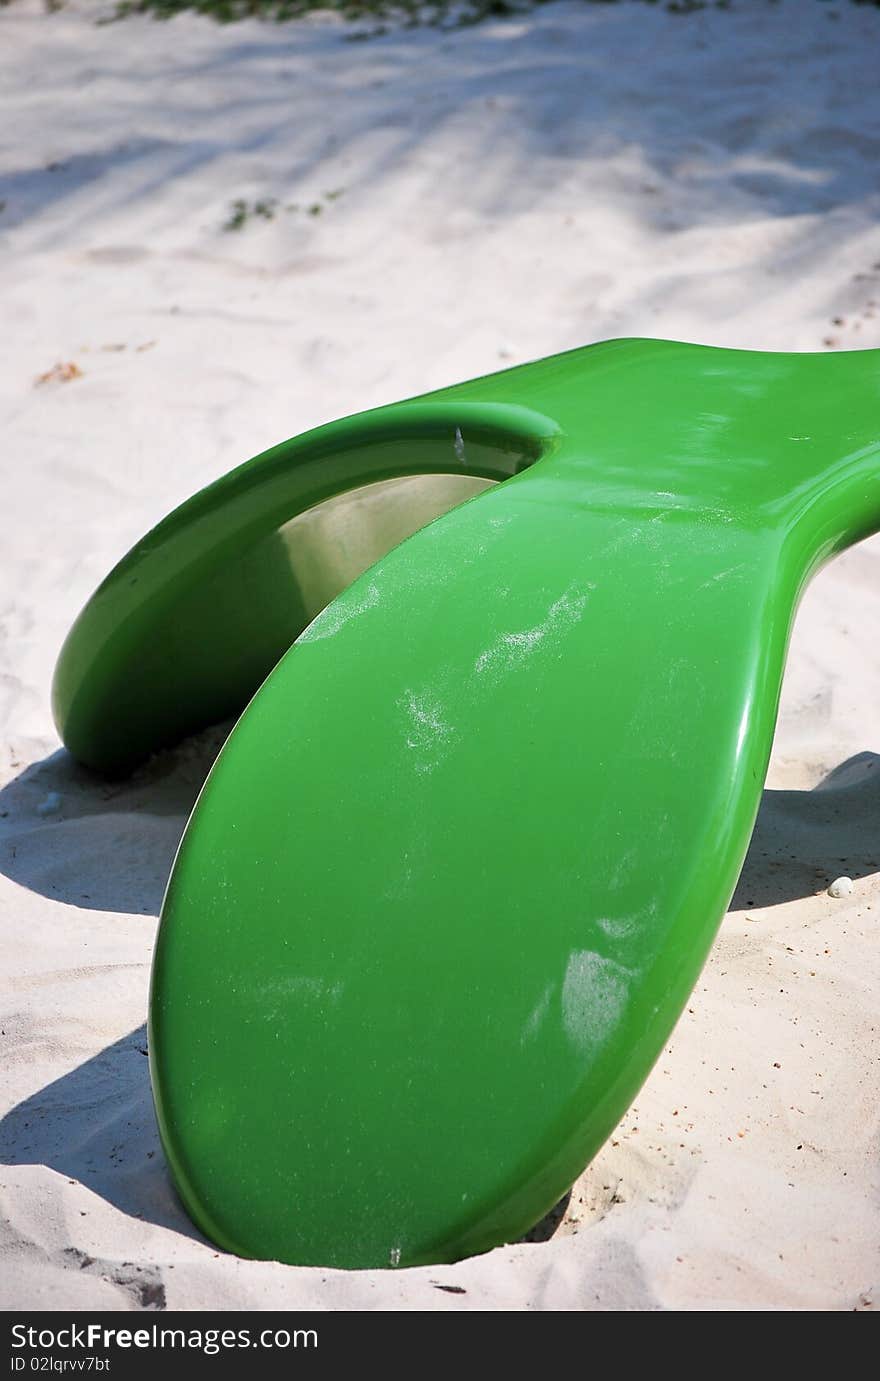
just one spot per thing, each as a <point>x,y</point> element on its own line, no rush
<point>452,878</point>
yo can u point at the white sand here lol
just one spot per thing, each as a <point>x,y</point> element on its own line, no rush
<point>510,190</point>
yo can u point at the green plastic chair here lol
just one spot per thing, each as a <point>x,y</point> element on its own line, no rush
<point>454,874</point>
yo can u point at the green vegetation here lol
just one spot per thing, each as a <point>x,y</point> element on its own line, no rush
<point>241,211</point>
<point>410,13</point>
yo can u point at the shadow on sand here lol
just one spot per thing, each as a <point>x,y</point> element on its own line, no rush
<point>802,839</point>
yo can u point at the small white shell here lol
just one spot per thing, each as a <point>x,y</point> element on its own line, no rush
<point>841,887</point>
<point>51,805</point>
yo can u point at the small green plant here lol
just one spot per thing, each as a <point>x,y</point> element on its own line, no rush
<point>266,208</point>
<point>240,212</point>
